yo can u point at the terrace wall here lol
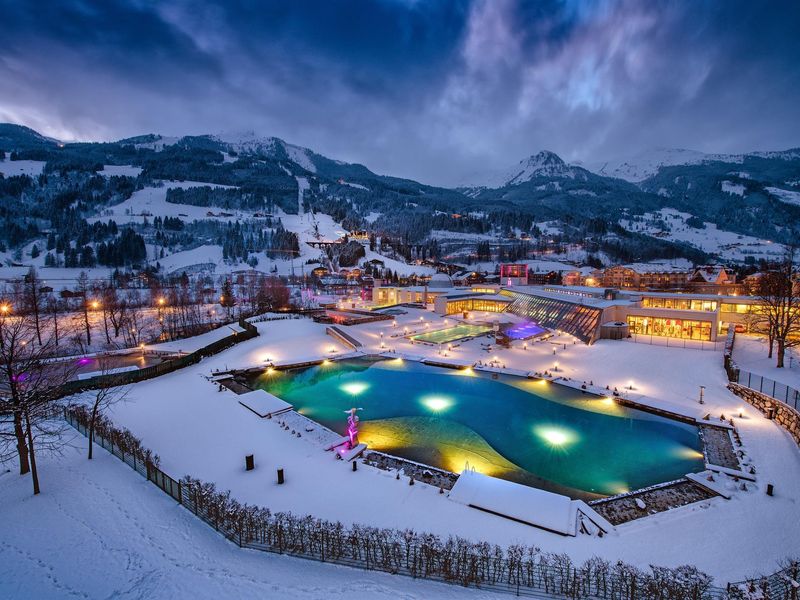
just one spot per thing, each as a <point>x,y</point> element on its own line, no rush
<point>784,415</point>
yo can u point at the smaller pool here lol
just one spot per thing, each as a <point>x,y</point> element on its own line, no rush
<point>523,331</point>
<point>451,334</point>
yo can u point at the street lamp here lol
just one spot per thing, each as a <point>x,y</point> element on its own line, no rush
<point>95,304</point>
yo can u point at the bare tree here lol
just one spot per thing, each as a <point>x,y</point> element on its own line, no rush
<point>103,398</point>
<point>53,309</point>
<point>32,298</point>
<point>778,316</point>
<point>30,391</point>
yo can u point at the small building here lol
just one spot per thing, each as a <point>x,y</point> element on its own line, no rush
<point>514,274</point>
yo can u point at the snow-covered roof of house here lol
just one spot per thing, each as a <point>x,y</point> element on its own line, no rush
<point>539,508</point>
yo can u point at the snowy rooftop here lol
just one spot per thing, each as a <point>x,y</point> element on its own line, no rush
<point>539,508</point>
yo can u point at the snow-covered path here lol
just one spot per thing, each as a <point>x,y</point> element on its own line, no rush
<point>99,530</point>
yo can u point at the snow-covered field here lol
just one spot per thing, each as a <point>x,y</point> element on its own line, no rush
<point>150,202</point>
<point>120,171</point>
<point>11,168</point>
<point>99,530</point>
<point>726,244</point>
<point>787,196</point>
<point>200,431</point>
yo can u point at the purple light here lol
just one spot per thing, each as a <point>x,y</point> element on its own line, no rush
<point>84,361</point>
<point>524,330</point>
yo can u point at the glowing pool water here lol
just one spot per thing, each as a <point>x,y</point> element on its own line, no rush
<point>549,436</point>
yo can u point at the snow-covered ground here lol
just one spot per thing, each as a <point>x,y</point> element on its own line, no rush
<point>787,196</point>
<point>150,202</point>
<point>120,171</point>
<point>726,244</point>
<point>99,530</point>
<point>736,189</point>
<point>750,353</point>
<point>10,168</point>
<point>200,431</point>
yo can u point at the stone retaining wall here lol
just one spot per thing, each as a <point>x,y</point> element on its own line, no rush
<point>784,415</point>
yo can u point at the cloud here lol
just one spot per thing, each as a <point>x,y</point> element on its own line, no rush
<point>428,90</point>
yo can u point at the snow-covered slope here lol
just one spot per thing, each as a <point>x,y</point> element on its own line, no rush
<point>641,166</point>
<point>645,164</point>
<point>250,142</point>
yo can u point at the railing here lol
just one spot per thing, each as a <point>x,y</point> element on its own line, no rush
<point>776,390</point>
<point>669,342</point>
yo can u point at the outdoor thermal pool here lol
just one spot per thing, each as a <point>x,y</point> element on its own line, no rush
<point>523,430</point>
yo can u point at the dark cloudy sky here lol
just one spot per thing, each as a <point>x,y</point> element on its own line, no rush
<point>428,89</point>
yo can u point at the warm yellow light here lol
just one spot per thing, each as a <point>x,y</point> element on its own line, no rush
<point>95,304</point>
<point>607,400</point>
<point>689,453</point>
<point>4,308</point>
<point>557,437</point>
<point>437,403</point>
<point>161,301</point>
<point>354,388</point>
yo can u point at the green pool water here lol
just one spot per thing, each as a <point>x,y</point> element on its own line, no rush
<point>528,431</point>
<point>451,334</point>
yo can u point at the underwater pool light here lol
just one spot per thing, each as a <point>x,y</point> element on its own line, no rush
<point>556,437</point>
<point>354,388</point>
<point>437,403</point>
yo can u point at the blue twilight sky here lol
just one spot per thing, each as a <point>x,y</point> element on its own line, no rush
<point>429,89</point>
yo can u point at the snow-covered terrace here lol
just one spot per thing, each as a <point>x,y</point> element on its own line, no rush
<point>201,431</point>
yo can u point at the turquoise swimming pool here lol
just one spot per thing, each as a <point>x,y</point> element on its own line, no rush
<point>529,431</point>
<point>451,334</point>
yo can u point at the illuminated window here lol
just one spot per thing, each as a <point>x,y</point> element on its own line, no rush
<point>686,329</point>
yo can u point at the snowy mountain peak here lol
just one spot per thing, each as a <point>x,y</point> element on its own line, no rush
<point>542,164</point>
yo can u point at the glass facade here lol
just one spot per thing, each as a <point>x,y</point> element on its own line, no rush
<point>680,303</point>
<point>742,309</point>
<point>575,319</point>
<point>480,304</point>
<point>675,328</point>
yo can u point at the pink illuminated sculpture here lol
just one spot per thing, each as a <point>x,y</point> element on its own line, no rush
<point>352,427</point>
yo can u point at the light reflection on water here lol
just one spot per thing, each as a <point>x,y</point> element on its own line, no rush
<point>536,433</point>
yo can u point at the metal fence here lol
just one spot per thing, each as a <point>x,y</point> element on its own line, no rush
<point>781,392</point>
<point>656,340</point>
